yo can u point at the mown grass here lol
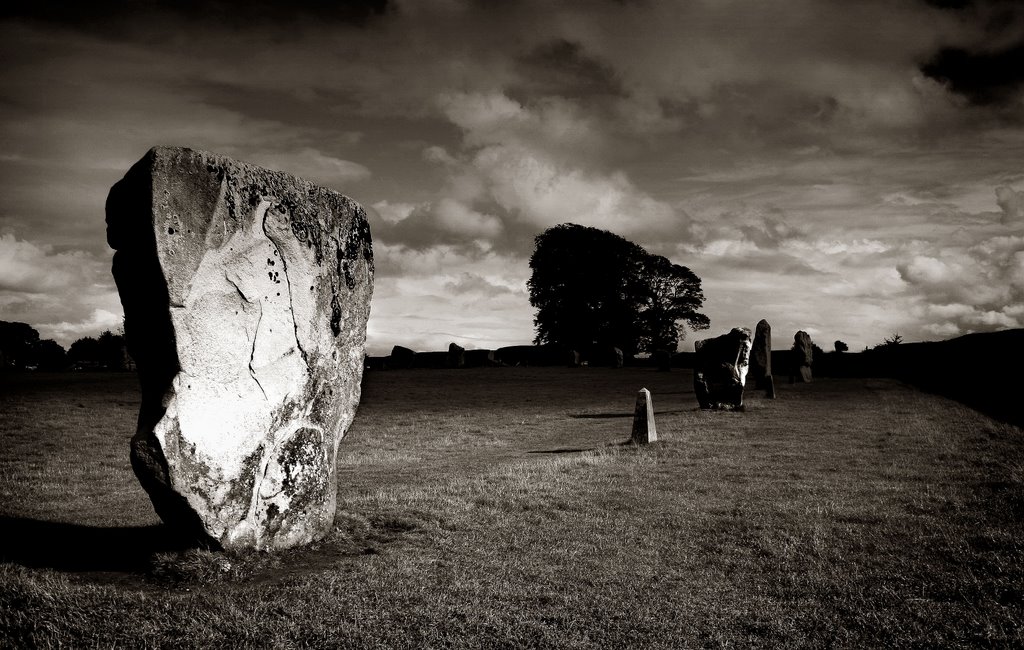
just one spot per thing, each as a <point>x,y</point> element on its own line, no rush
<point>500,508</point>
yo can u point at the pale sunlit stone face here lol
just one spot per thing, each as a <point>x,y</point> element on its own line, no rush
<point>267,281</point>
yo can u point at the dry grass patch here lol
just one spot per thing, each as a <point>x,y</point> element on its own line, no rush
<point>846,513</point>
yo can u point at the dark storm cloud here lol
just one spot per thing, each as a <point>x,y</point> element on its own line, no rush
<point>122,18</point>
<point>989,69</point>
<point>985,78</point>
<point>562,68</point>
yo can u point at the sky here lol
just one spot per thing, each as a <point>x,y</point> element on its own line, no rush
<point>851,168</point>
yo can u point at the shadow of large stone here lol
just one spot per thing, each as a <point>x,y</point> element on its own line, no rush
<point>78,548</point>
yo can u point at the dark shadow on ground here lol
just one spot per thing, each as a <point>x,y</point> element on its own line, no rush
<point>600,416</point>
<point>559,451</point>
<point>82,549</point>
<point>608,416</point>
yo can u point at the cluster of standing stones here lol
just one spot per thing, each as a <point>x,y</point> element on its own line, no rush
<point>246,294</point>
<point>722,365</point>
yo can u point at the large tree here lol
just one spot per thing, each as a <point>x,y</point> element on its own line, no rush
<point>592,287</point>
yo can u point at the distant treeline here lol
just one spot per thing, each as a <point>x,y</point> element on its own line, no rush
<point>546,355</point>
<point>22,349</point>
<point>980,370</point>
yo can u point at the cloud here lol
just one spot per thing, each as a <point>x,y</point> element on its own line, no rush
<point>552,124</point>
<point>63,294</point>
<point>476,284</point>
<point>29,268</point>
<point>523,169</point>
<point>976,288</point>
<point>98,321</point>
<point>812,171</point>
<point>426,299</point>
<point>1011,202</point>
<point>314,165</point>
<point>392,213</point>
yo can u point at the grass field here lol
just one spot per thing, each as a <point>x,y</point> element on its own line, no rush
<point>501,508</point>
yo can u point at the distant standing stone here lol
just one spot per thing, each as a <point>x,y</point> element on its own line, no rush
<point>246,294</point>
<point>803,357</point>
<point>573,358</point>
<point>761,358</point>
<point>618,359</point>
<point>644,430</point>
<point>720,369</point>
<point>456,356</point>
<point>401,358</point>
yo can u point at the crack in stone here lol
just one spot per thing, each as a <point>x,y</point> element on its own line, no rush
<point>288,283</point>
<point>252,352</point>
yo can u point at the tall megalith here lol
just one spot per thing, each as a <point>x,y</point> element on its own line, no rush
<point>761,358</point>
<point>246,294</point>
<point>802,357</point>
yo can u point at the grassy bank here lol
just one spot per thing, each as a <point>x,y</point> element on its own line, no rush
<point>499,507</point>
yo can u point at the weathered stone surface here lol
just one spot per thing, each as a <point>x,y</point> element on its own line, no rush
<point>456,356</point>
<point>644,429</point>
<point>720,369</point>
<point>246,294</point>
<point>761,358</point>
<point>803,357</point>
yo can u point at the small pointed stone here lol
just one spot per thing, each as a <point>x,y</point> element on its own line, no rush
<point>644,430</point>
<point>761,355</point>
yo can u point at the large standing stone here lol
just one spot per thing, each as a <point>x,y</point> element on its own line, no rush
<point>803,357</point>
<point>761,358</point>
<point>720,369</point>
<point>644,430</point>
<point>246,294</point>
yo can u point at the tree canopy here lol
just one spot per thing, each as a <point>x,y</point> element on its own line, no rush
<point>21,347</point>
<point>591,287</point>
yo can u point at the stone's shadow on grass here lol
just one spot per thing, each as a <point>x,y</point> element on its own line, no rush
<point>83,549</point>
<point>600,416</point>
<point>567,450</point>
<point>609,416</point>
